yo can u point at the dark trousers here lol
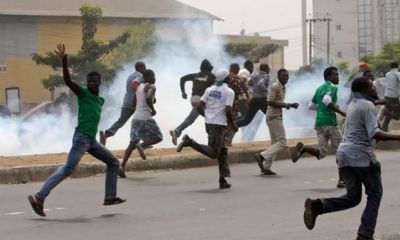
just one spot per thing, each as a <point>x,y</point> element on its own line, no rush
<point>255,104</point>
<point>355,177</point>
<point>216,147</point>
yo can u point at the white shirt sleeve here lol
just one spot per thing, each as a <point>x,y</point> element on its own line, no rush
<point>230,97</point>
<point>327,99</point>
<point>205,95</point>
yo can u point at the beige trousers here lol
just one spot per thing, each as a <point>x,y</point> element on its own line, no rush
<point>278,141</point>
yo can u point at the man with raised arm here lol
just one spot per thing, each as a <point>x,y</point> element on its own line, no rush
<point>84,139</point>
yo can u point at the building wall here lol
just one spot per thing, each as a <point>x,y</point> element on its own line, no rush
<point>343,30</point>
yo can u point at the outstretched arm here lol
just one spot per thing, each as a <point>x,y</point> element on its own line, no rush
<point>277,104</point>
<point>184,79</point>
<point>67,77</point>
<point>384,136</point>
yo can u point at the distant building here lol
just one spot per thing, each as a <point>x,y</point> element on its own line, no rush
<point>358,28</point>
<point>275,60</point>
<point>36,26</point>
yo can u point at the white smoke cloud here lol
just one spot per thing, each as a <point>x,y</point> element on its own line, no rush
<point>170,60</point>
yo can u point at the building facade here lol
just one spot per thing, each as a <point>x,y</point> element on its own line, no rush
<point>358,28</point>
<point>29,27</point>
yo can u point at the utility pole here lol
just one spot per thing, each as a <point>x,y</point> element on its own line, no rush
<point>314,20</point>
<point>328,41</point>
<point>304,30</point>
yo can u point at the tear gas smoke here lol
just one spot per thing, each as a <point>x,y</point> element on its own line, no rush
<point>170,60</point>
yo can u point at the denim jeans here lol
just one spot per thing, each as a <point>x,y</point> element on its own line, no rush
<point>354,178</point>
<point>82,143</point>
<point>193,115</point>
<point>215,148</point>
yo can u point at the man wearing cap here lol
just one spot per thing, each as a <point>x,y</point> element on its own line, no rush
<point>216,107</point>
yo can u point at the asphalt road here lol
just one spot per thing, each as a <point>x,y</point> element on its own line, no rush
<point>186,204</point>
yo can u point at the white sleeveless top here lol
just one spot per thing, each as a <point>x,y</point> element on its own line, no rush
<point>142,111</point>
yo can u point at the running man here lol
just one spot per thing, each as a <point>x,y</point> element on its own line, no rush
<point>216,107</point>
<point>392,106</point>
<point>127,109</point>
<point>357,162</point>
<point>143,125</point>
<point>326,124</point>
<point>84,140</point>
<point>201,81</point>
<point>276,102</point>
<point>258,86</point>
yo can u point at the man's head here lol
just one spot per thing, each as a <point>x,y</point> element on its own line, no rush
<point>264,67</point>
<point>331,74</point>
<point>249,66</point>
<point>364,86</point>
<point>368,74</point>
<point>140,67</point>
<point>394,65</point>
<point>206,66</point>
<point>149,76</point>
<point>234,68</point>
<point>93,81</point>
<point>283,76</point>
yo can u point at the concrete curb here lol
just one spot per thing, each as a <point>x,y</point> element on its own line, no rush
<point>244,154</point>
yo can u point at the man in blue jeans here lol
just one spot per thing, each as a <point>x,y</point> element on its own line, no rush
<point>357,162</point>
<point>84,140</point>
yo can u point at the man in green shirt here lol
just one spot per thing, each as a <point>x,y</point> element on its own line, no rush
<point>90,106</point>
<point>326,125</point>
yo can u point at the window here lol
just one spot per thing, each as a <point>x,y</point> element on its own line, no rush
<point>339,54</point>
<point>338,27</point>
<point>3,68</point>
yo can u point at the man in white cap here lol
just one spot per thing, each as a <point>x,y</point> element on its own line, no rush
<point>216,107</point>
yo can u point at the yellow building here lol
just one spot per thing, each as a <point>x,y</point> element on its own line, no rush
<point>36,26</point>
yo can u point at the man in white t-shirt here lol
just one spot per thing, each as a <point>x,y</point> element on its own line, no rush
<point>216,107</point>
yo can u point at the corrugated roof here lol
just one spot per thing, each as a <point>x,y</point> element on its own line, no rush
<point>111,8</point>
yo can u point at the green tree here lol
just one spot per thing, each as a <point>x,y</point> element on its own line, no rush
<point>138,45</point>
<point>251,50</point>
<point>88,57</point>
<point>380,63</point>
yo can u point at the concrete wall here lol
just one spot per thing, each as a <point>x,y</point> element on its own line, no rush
<point>344,30</point>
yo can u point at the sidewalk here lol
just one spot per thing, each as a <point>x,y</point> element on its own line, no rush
<point>24,169</point>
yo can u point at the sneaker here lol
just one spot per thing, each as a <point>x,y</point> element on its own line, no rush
<point>341,184</point>
<point>113,201</point>
<point>174,137</point>
<point>37,205</point>
<point>260,160</point>
<point>268,172</point>
<point>224,185</point>
<point>185,143</point>
<point>140,150</point>
<point>297,151</point>
<point>311,212</point>
<point>102,138</point>
<point>121,173</point>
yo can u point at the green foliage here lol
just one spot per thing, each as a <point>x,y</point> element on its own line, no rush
<point>380,63</point>
<point>343,67</point>
<point>251,50</point>
<point>95,55</point>
<point>137,46</point>
<point>316,63</point>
